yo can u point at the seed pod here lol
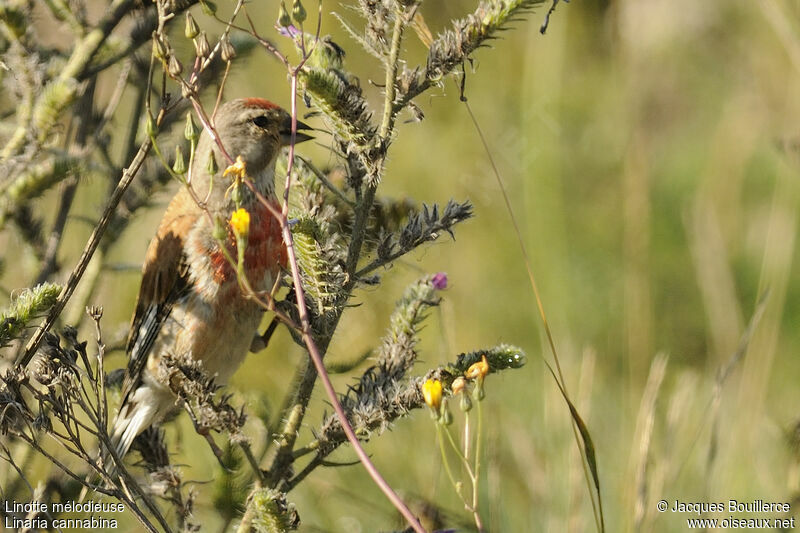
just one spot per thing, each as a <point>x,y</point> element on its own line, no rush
<point>478,394</point>
<point>236,194</point>
<point>150,126</point>
<point>220,231</point>
<point>298,12</point>
<point>179,166</point>
<point>201,46</point>
<point>284,20</point>
<point>211,164</point>
<point>174,67</point>
<point>159,48</point>
<point>191,29</point>
<point>190,132</point>
<point>227,51</point>
<point>465,403</point>
<point>447,417</point>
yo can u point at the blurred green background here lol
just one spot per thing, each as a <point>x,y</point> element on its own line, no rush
<point>650,152</point>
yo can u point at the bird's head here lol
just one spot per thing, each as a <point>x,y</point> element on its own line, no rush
<point>253,128</point>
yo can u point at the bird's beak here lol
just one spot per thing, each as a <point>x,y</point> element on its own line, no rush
<point>286,133</point>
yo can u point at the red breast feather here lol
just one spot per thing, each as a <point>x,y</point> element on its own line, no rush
<point>265,253</point>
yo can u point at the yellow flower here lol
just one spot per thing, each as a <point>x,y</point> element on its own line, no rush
<point>240,222</point>
<point>478,370</point>
<point>237,169</point>
<point>432,392</point>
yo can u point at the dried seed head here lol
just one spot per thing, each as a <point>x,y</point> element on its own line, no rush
<point>43,370</point>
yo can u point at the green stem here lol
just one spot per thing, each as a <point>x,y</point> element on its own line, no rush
<point>447,462</point>
<point>476,478</point>
<point>365,205</point>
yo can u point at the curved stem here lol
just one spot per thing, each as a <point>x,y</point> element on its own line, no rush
<point>311,345</point>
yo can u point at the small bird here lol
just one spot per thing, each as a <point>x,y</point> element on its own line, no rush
<point>190,302</point>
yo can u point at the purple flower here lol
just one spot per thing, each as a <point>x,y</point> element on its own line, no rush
<point>439,281</point>
<point>288,31</point>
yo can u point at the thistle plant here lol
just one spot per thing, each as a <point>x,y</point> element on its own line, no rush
<point>339,235</point>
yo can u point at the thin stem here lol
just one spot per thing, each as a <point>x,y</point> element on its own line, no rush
<point>476,479</point>
<point>456,448</point>
<point>127,178</point>
<point>446,462</point>
<point>391,73</point>
<point>313,350</point>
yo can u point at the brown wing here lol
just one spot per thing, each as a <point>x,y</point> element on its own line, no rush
<point>164,281</point>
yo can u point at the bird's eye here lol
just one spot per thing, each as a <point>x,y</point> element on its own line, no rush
<point>261,121</point>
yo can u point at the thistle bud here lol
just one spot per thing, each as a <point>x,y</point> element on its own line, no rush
<point>191,29</point>
<point>211,164</point>
<point>298,12</point>
<point>179,166</point>
<point>190,130</point>
<point>284,20</point>
<point>227,51</point>
<point>174,67</point>
<point>201,46</point>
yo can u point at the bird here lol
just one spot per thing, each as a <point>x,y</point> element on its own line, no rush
<point>190,301</point>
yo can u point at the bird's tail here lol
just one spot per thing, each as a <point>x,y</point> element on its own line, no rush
<point>138,413</point>
<point>135,415</point>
